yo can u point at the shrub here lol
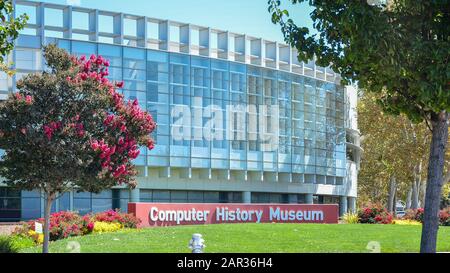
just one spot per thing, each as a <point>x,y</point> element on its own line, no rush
<point>66,224</point>
<point>22,241</point>
<point>350,218</point>
<point>101,227</point>
<point>414,214</point>
<point>37,237</point>
<point>63,224</point>
<point>417,215</point>
<point>444,217</point>
<point>114,216</point>
<point>374,214</point>
<point>7,245</point>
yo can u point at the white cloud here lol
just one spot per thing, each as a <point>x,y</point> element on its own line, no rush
<point>73,2</point>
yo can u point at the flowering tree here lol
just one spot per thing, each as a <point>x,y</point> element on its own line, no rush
<point>69,128</point>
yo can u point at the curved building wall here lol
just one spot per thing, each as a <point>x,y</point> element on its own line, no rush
<point>246,123</point>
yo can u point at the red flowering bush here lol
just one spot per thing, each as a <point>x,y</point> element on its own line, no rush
<point>444,217</point>
<point>66,224</point>
<point>374,214</point>
<point>63,224</point>
<point>417,215</point>
<point>414,214</point>
<point>114,216</point>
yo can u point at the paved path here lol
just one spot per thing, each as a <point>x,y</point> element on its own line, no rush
<point>6,229</point>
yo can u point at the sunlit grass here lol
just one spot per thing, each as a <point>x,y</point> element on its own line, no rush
<point>258,238</point>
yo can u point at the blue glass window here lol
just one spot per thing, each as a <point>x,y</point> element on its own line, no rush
<point>84,48</point>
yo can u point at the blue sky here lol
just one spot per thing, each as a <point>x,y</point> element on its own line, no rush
<point>241,16</point>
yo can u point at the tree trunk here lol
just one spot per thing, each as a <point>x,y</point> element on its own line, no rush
<point>48,208</point>
<point>409,197</point>
<point>416,187</point>
<point>394,205</point>
<point>423,190</point>
<point>435,182</point>
<point>391,197</point>
<point>415,195</point>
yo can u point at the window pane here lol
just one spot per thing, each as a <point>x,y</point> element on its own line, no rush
<point>83,48</point>
<point>82,205</point>
<point>99,205</point>
<point>64,202</point>
<point>31,208</point>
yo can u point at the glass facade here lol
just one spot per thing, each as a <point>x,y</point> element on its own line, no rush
<point>9,203</point>
<point>176,196</point>
<point>85,202</point>
<point>310,135</point>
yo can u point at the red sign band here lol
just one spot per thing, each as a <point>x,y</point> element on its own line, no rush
<point>171,214</point>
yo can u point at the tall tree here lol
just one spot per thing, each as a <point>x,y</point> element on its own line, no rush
<point>393,147</point>
<point>400,51</point>
<point>69,128</point>
<point>9,30</point>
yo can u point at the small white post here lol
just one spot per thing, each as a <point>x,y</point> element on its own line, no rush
<point>197,244</point>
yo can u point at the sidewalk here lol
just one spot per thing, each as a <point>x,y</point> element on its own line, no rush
<point>7,228</point>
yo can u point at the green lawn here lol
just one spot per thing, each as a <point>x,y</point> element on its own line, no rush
<point>253,238</point>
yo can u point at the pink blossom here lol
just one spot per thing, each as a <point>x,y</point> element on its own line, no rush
<point>87,66</point>
<point>90,226</point>
<point>119,84</point>
<point>121,141</point>
<point>105,164</point>
<point>134,154</point>
<point>150,144</point>
<point>99,60</point>
<point>119,171</point>
<point>108,120</point>
<point>80,129</point>
<point>56,125</point>
<point>93,75</point>
<point>48,131</point>
<point>95,145</point>
<point>112,150</point>
<point>28,100</point>
<point>83,76</point>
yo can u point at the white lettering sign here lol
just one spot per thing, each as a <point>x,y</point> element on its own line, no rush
<point>224,214</point>
<point>38,227</point>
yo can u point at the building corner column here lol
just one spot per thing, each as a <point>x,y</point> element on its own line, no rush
<point>292,199</point>
<point>309,198</point>
<point>134,195</point>
<point>352,204</point>
<point>342,205</point>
